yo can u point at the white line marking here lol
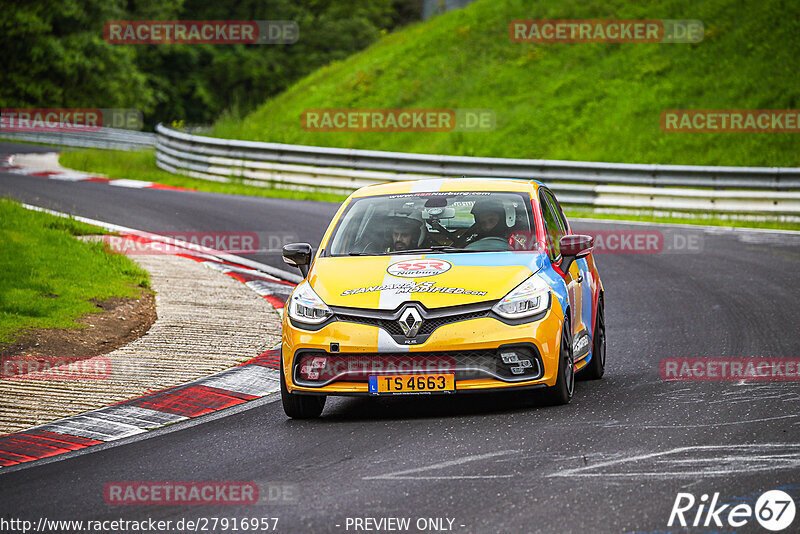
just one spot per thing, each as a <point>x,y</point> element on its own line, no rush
<point>611,425</point>
<point>136,416</point>
<point>87,426</point>
<point>399,475</point>
<point>70,177</point>
<point>738,464</point>
<point>254,380</point>
<point>133,184</point>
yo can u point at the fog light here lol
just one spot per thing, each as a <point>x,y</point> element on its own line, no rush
<point>517,370</point>
<point>510,357</point>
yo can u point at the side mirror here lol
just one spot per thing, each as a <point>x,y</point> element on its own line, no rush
<point>573,247</point>
<point>298,255</point>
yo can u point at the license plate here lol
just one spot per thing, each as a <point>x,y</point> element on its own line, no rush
<point>438,383</point>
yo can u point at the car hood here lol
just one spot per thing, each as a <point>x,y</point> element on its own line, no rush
<point>435,280</point>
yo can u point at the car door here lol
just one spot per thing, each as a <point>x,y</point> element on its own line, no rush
<point>556,227</point>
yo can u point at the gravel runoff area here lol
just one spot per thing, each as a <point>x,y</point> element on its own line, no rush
<point>207,322</point>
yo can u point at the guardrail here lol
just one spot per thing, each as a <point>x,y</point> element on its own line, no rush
<point>114,138</point>
<point>761,190</point>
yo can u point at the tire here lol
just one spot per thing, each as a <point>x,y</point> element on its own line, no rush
<point>562,391</point>
<point>597,365</point>
<point>300,406</point>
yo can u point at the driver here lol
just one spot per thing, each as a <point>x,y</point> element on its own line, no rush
<point>490,221</point>
<point>404,233</point>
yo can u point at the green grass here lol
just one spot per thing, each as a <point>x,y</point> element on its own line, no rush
<point>585,102</point>
<point>140,165</point>
<point>48,276</point>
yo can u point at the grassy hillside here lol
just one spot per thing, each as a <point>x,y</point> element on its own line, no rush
<point>597,102</point>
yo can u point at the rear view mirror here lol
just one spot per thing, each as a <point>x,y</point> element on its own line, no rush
<point>438,213</point>
<point>573,247</point>
<point>298,255</point>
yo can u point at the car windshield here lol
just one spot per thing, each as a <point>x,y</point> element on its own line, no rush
<point>470,221</point>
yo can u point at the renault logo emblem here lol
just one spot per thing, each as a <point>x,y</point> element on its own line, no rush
<point>410,321</point>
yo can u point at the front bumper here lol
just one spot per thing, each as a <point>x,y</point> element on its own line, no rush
<point>472,349</point>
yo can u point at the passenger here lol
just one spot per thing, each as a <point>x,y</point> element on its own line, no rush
<point>490,221</point>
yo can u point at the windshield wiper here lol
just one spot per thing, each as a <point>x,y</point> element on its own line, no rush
<point>439,249</point>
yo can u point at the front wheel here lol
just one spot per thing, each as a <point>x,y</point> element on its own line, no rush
<point>300,406</point>
<point>561,392</point>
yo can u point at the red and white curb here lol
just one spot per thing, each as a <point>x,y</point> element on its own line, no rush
<point>248,381</point>
<point>7,165</point>
<point>276,291</point>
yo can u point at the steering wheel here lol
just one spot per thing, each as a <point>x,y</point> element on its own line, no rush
<point>489,243</point>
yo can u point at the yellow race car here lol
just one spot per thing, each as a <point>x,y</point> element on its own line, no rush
<point>442,286</point>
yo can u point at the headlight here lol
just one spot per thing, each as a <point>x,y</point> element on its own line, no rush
<point>307,307</point>
<point>529,298</point>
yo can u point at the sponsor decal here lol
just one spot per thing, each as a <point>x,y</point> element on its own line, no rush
<point>418,268</point>
<point>411,287</point>
<point>427,194</point>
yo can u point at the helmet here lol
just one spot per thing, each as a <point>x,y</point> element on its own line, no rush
<point>489,205</point>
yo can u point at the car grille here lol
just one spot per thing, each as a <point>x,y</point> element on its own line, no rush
<point>469,364</point>
<point>428,324</point>
<point>431,320</point>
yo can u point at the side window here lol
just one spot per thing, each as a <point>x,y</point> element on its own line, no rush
<point>559,212</point>
<point>552,225</point>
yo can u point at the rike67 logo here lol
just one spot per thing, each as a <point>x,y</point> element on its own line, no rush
<point>418,268</point>
<point>774,510</point>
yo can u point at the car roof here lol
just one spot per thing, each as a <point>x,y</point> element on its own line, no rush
<point>450,184</point>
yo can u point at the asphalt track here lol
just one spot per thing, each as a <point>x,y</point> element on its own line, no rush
<point>611,461</point>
